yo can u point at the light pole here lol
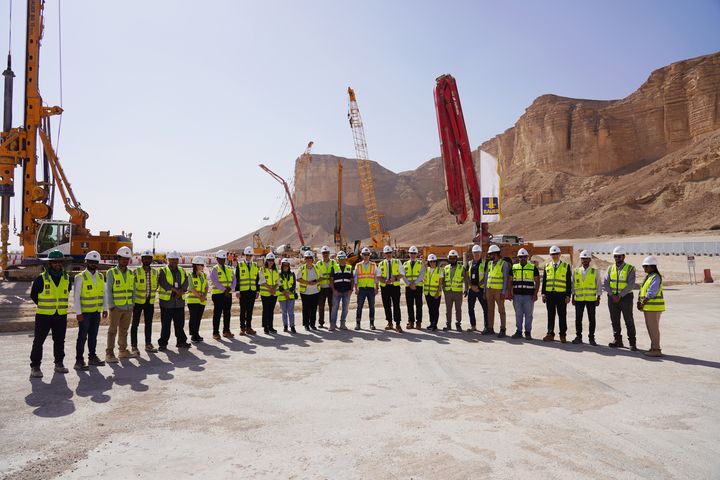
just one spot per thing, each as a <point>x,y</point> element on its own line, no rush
<point>153,235</point>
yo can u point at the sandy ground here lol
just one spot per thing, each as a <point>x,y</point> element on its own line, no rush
<point>377,405</point>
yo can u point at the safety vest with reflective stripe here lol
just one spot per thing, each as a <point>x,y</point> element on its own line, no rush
<point>271,280</point>
<point>91,293</point>
<point>287,282</point>
<point>619,282</point>
<point>478,267</point>
<point>585,290</point>
<point>325,271</point>
<point>524,278</point>
<point>365,275</point>
<point>166,294</point>
<point>199,283</point>
<point>54,298</point>
<point>432,281</point>
<point>394,271</point>
<point>454,284</point>
<point>556,279</point>
<point>139,274</point>
<point>122,287</point>
<point>303,274</point>
<point>413,272</point>
<point>496,279</point>
<point>247,278</point>
<point>656,303</point>
<point>224,275</point>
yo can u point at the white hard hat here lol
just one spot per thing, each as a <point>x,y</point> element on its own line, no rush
<point>173,255</point>
<point>341,255</point>
<point>198,260</point>
<point>285,260</point>
<point>585,254</point>
<point>554,249</point>
<point>618,250</point>
<point>476,248</point>
<point>649,260</point>
<point>413,249</point>
<point>452,253</point>
<point>387,249</point>
<point>522,253</point>
<point>221,254</point>
<point>365,250</point>
<point>270,256</point>
<point>248,251</point>
<point>432,258</point>
<point>494,249</point>
<point>307,254</point>
<point>93,256</point>
<point>325,249</point>
<point>146,253</point>
<point>124,252</point>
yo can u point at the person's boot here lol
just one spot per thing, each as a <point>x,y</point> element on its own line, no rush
<point>563,339</point>
<point>124,354</point>
<point>458,327</point>
<point>372,325</point>
<point>60,368</point>
<point>633,345</point>
<point>550,337</point>
<point>95,361</point>
<point>472,328</point>
<point>528,336</point>
<point>591,341</point>
<point>501,334</point>
<point>229,334</point>
<point>151,349</point>
<point>332,328</point>
<point>35,372</point>
<point>111,358</point>
<point>217,336</point>
<point>617,343</point>
<point>577,340</point>
<point>292,330</point>
<point>516,335</point>
<point>389,326</point>
<point>417,325</point>
<point>243,332</point>
<point>80,365</point>
<point>488,331</point>
<point>398,328</point>
<point>357,325</point>
<point>409,326</point>
<point>183,345</point>
<point>250,331</point>
<point>343,326</point>
<point>266,330</point>
<point>134,352</point>
<point>285,329</point>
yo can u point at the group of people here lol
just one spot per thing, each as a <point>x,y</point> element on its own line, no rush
<point>128,296</point>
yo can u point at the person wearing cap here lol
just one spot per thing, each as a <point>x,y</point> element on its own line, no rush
<point>50,291</point>
<point>477,269</point>
<point>414,273</point>
<point>196,297</point>
<point>287,295</point>
<point>454,288</point>
<point>308,278</point>
<point>496,290</point>
<point>587,290</point>
<point>652,303</point>
<point>223,283</point>
<point>89,297</point>
<point>526,284</point>
<point>556,293</point>
<point>146,281</point>
<point>433,283</point>
<point>366,287</point>
<point>172,285</point>
<point>618,284</point>
<point>325,268</point>
<point>342,287</point>
<point>268,283</point>
<point>389,273</point>
<point>246,288</point>
<point>120,300</point>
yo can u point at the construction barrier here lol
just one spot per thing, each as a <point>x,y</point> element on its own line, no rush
<point>655,248</point>
<point>708,276</point>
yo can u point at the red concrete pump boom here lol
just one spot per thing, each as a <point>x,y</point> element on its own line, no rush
<point>292,204</point>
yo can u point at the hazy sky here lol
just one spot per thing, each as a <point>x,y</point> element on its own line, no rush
<point>171,105</point>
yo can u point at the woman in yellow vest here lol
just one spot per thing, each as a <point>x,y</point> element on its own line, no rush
<point>433,283</point>
<point>652,303</point>
<point>196,297</point>
<point>307,278</point>
<point>268,284</point>
<point>286,295</point>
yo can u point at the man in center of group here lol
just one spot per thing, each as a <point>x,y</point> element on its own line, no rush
<point>619,284</point>
<point>223,282</point>
<point>496,290</point>
<point>366,287</point>
<point>453,288</point>
<point>526,283</point>
<point>476,287</point>
<point>146,284</point>
<point>342,287</point>
<point>172,285</point>
<point>414,273</point>
<point>325,268</point>
<point>246,286</point>
<point>556,292</point>
<point>587,289</point>
<point>120,300</point>
<point>390,272</point>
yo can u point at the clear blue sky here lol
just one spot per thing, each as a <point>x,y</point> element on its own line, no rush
<point>170,105</point>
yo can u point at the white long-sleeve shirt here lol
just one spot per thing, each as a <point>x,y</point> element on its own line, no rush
<point>598,280</point>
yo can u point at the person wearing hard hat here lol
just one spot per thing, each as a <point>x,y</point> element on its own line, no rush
<point>146,282</point>
<point>223,282</point>
<point>652,303</point>
<point>390,272</point>
<point>366,287</point>
<point>433,283</point>
<point>414,273</point>
<point>587,289</point>
<point>325,268</point>
<point>196,297</point>
<point>454,288</point>
<point>172,285</point>
<point>308,278</point>
<point>556,293</point>
<point>342,287</point>
<point>476,287</point>
<point>89,296</point>
<point>287,295</point>
<point>496,290</point>
<point>526,284</point>
<point>246,288</point>
<point>50,292</point>
<point>618,284</point>
<point>120,300</point>
<point>268,283</point>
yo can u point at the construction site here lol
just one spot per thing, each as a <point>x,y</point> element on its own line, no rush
<point>605,185</point>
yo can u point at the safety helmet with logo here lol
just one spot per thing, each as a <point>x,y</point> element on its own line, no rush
<point>619,250</point>
<point>522,253</point>
<point>307,254</point>
<point>56,255</point>
<point>198,260</point>
<point>248,251</point>
<point>221,254</point>
<point>146,253</point>
<point>494,249</point>
<point>387,249</point>
<point>554,250</point>
<point>173,255</point>
<point>585,254</point>
<point>476,248</point>
<point>92,256</point>
<point>432,258</point>
<point>649,260</point>
<point>452,253</point>
<point>285,260</point>
<point>413,249</point>
<point>324,249</point>
<point>270,256</point>
<point>341,255</point>
<point>124,252</point>
<point>365,251</point>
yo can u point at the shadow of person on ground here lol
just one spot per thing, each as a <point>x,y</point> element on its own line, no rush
<point>131,372</point>
<point>185,358</point>
<point>214,351</point>
<point>92,383</point>
<point>282,341</point>
<point>233,344</point>
<point>52,399</point>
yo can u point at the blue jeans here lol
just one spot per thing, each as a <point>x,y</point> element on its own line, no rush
<point>477,297</point>
<point>338,297</point>
<point>287,307</point>
<point>523,305</point>
<point>87,330</point>
<point>369,294</point>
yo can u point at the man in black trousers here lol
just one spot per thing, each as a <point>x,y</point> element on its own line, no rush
<point>556,293</point>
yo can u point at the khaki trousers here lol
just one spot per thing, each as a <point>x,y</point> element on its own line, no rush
<point>493,298</point>
<point>120,320</point>
<point>652,321</point>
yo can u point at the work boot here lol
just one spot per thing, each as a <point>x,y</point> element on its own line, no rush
<point>488,331</point>
<point>228,334</point>
<point>528,336</point>
<point>501,334</point>
<point>111,358</point>
<point>95,361</point>
<point>618,343</point>
<point>332,328</point>
<point>398,328</point>
<point>550,337</point>
<point>458,327</point>
<point>285,329</point>
<point>35,372</point>
<point>417,325</point>
<point>135,351</point>
<point>653,353</point>
<point>162,348</point>
<point>592,341</point>
<point>266,330</point>
<point>60,368</point>
<point>217,336</point>
<point>125,354</point>
<point>410,326</point>
<point>151,349</point>
<point>389,326</point>
<point>321,325</point>
<point>80,365</point>
<point>272,330</point>
<point>357,325</point>
<point>292,330</point>
<point>577,340</point>
<point>633,345</point>
<point>250,331</point>
<point>472,328</point>
<point>183,345</point>
<point>516,335</point>
<point>446,328</point>
<point>243,332</point>
<point>343,327</point>
<point>563,339</point>
<point>372,325</point>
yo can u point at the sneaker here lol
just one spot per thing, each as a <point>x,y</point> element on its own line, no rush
<point>95,361</point>
<point>292,330</point>
<point>35,372</point>
<point>517,335</point>
<point>149,348</point>
<point>80,365</point>
<point>183,345</point>
<point>111,358</point>
<point>501,334</point>
<point>60,368</point>
<point>616,344</point>
<point>228,335</point>
<point>217,336</point>
<point>577,340</point>
<point>592,341</point>
<point>528,336</point>
<point>550,337</point>
<point>124,354</point>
